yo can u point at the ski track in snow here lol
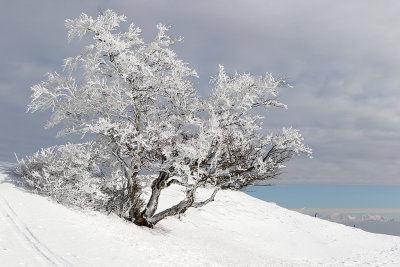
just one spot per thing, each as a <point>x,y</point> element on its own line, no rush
<point>27,238</point>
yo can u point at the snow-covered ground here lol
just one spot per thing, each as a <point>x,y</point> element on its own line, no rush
<point>235,230</point>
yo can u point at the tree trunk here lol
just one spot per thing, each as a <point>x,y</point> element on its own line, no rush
<point>134,211</point>
<point>156,187</point>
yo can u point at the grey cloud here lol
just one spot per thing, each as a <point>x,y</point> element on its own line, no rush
<point>342,59</point>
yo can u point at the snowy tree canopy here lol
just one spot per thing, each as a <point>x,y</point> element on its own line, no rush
<point>137,101</point>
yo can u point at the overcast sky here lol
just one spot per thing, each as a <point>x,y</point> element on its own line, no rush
<point>343,60</point>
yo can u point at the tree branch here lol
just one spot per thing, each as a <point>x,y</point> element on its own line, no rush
<point>202,203</point>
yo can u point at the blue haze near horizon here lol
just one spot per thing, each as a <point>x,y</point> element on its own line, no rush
<point>315,196</point>
<point>374,209</point>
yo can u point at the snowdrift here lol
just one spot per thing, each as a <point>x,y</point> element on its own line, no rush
<point>234,230</point>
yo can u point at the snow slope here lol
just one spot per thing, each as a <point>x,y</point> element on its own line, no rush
<point>235,230</point>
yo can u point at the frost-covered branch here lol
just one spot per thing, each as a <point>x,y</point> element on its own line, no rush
<point>137,102</point>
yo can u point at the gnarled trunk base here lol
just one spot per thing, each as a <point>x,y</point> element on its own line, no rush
<point>143,222</point>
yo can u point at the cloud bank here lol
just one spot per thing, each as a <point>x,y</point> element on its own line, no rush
<point>383,221</point>
<point>342,59</point>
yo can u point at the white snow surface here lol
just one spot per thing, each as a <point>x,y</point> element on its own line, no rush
<point>234,230</point>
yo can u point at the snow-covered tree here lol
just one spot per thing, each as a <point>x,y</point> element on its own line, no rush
<point>137,102</point>
<point>66,173</point>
